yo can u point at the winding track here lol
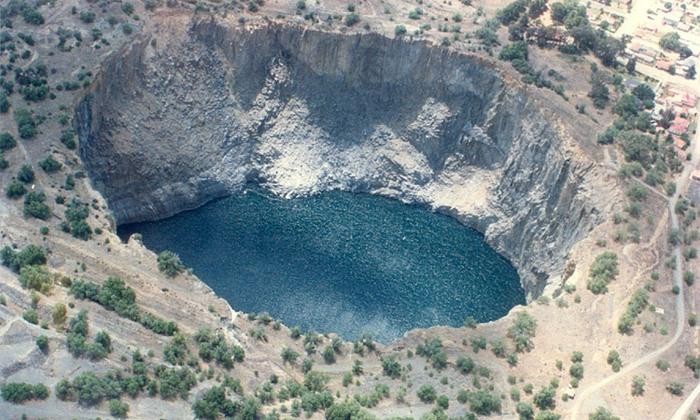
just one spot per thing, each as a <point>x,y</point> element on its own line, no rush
<point>683,180</point>
<point>685,406</point>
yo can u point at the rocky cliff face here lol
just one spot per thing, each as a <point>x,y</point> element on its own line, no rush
<point>193,114</point>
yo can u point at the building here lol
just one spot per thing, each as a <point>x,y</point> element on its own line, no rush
<point>663,65</point>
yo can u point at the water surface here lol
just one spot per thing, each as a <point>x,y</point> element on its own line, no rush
<point>339,262</point>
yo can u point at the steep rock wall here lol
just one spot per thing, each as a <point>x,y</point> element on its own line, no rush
<point>192,114</point>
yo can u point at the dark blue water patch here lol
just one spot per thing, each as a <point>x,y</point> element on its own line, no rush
<point>340,262</point>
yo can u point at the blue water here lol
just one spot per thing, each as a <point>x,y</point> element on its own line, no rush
<point>339,262</point>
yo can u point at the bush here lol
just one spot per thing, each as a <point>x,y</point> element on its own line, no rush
<point>639,302</point>
<point>18,392</point>
<point>87,16</point>
<point>77,334</point>
<point>576,371</point>
<point>35,205</point>
<point>68,139</point>
<point>346,410</point>
<point>599,92</point>
<point>525,411</point>
<point>50,165</point>
<point>59,314</point>
<point>35,277</point>
<point>545,398</point>
<point>328,355</point>
<point>26,125</point>
<point>29,255</point>
<point>602,414</point>
<point>213,404</point>
<point>675,388</point>
<point>289,355</point>
<point>89,389</point>
<point>175,382</point>
<point>614,360</point>
<point>4,103</point>
<point>391,367</point>
<point>637,147</point>
<point>42,342</point>
<point>465,365</point>
<point>64,390</point>
<point>637,192</point>
<point>426,393</point>
<point>31,316</point>
<point>516,50</point>
<point>399,30</point>
<point>511,12</point>
<point>522,331</point>
<point>76,213</point>
<point>114,295</point>
<point>32,16</point>
<point>127,8</point>
<point>118,408</point>
<point>638,383</point>
<point>25,174</point>
<point>15,189</point>
<point>352,19</point>
<point>432,351</point>
<point>484,403</point>
<point>693,363</point>
<point>603,270</point>
<point>169,264</point>
<point>214,346</point>
<point>7,142</point>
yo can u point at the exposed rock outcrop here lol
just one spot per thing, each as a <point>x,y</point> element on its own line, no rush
<point>197,112</point>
